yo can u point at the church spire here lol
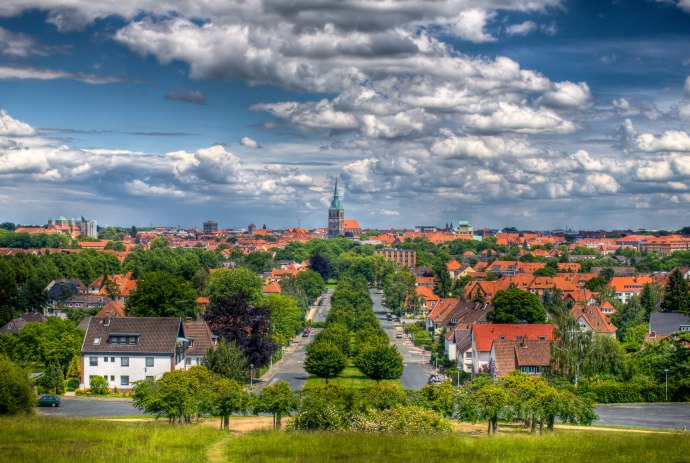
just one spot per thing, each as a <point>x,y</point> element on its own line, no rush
<point>335,204</point>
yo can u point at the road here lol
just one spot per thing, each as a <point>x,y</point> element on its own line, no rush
<point>291,367</point>
<point>90,407</point>
<point>662,416</point>
<point>417,368</point>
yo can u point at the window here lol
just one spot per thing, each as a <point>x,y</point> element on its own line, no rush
<point>96,341</point>
<point>149,378</point>
<point>93,361</point>
<point>189,360</point>
<point>531,370</point>
<point>149,361</point>
<point>112,378</point>
<point>542,338</point>
<point>124,361</point>
<point>112,359</point>
<point>124,380</point>
<point>105,359</point>
<point>468,355</point>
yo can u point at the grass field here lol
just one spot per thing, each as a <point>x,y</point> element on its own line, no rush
<point>68,440</point>
<point>350,376</point>
<point>566,447</point>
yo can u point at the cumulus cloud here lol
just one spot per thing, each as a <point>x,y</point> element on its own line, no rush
<point>249,143</point>
<point>524,28</point>
<point>12,127</point>
<point>670,140</point>
<point>510,117</point>
<point>195,97</point>
<point>568,95</point>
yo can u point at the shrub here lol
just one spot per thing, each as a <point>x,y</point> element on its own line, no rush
<point>72,384</point>
<point>639,389</point>
<point>99,386</point>
<point>16,394</point>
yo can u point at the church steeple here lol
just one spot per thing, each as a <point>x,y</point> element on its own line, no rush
<point>335,203</point>
<point>336,215</point>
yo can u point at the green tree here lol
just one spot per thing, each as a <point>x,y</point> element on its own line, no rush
<point>493,403</point>
<point>380,362</point>
<point>312,283</point>
<point>399,288</point>
<point>53,379</point>
<point>227,361</point>
<point>74,370</point>
<point>515,305</point>
<point>160,294</point>
<point>338,335</point>
<point>17,396</point>
<point>277,400</point>
<point>629,317</point>
<point>545,272</point>
<point>443,282</point>
<point>240,285</point>
<point>227,397</point>
<point>650,297</point>
<point>287,318</point>
<point>596,284</point>
<point>324,360</point>
<point>676,297</point>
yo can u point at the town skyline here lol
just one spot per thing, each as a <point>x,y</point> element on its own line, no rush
<point>538,114</point>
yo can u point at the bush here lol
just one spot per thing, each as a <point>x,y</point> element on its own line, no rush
<point>639,389</point>
<point>99,386</point>
<point>16,394</point>
<point>72,384</point>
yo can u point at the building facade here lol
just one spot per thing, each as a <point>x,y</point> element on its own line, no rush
<point>210,227</point>
<point>405,257</point>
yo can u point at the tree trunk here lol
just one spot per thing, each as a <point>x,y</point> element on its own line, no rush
<point>490,430</point>
<point>278,424</point>
<point>533,427</point>
<point>541,426</point>
<point>549,424</point>
<point>226,422</point>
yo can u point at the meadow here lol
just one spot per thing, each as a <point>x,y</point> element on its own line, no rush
<point>349,377</point>
<point>57,440</point>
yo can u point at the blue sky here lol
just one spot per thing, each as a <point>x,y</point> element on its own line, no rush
<point>531,113</point>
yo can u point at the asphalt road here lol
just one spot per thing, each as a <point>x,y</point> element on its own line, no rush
<point>662,416</point>
<point>417,368</point>
<point>89,407</point>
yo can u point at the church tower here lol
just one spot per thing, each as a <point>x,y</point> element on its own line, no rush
<point>336,215</point>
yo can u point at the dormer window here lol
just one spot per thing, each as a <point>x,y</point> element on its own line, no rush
<point>96,341</point>
<point>123,339</point>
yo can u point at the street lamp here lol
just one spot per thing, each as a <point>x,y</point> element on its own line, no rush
<point>251,374</point>
<point>436,360</point>
<point>666,374</point>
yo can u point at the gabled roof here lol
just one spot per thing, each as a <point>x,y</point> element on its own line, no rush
<point>512,354</point>
<point>427,293</point>
<point>441,309</point>
<point>272,288</point>
<point>199,332</point>
<point>351,224</point>
<point>594,318</point>
<point>665,323</point>
<point>156,335</point>
<point>629,284</point>
<point>483,335</point>
<point>453,265</point>
<point>112,309</point>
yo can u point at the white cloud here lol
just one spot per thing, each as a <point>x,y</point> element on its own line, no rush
<point>12,127</point>
<point>17,72</point>
<point>524,28</point>
<point>470,24</point>
<point>687,85</point>
<point>670,140</point>
<point>510,117</point>
<point>568,95</point>
<point>249,143</point>
<point>138,187</point>
<point>482,147</point>
<point>18,45</point>
<point>583,159</point>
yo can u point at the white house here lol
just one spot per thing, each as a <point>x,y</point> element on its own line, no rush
<point>125,350</point>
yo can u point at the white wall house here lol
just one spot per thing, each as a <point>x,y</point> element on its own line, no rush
<point>125,350</point>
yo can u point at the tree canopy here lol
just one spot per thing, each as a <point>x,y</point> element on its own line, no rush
<point>515,305</point>
<point>160,294</point>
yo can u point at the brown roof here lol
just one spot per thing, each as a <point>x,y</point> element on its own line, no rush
<point>15,325</point>
<point>199,331</point>
<point>112,309</point>
<point>511,354</point>
<point>504,352</point>
<point>156,335</point>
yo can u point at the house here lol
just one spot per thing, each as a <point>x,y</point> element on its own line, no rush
<point>272,288</point>
<point>427,298</point>
<point>504,267</point>
<point>483,336</point>
<point>526,355</point>
<point>200,340</point>
<point>78,302</point>
<point>662,324</point>
<point>626,287</point>
<point>437,315</point>
<point>585,297</point>
<point>58,290</point>
<point>591,319</point>
<point>569,267</point>
<point>125,350</point>
<point>15,325</point>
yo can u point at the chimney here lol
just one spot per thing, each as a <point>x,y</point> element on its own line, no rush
<point>106,322</point>
<point>523,343</point>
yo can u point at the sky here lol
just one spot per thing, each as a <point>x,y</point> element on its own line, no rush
<point>538,114</point>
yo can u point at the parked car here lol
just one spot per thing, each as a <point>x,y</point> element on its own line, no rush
<point>48,400</point>
<point>305,334</point>
<point>389,316</point>
<point>433,379</point>
<point>398,335</point>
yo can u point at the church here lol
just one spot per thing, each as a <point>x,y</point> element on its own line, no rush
<point>337,224</point>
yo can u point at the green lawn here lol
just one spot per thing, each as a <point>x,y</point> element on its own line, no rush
<point>351,377</point>
<point>69,440</point>
<point>565,446</point>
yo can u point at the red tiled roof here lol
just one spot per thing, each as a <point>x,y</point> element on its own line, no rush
<point>272,288</point>
<point>485,334</point>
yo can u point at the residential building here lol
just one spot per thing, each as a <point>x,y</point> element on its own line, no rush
<point>210,227</point>
<point>484,335</point>
<point>125,350</point>
<point>591,319</point>
<point>526,355</point>
<point>405,257</point>
<point>200,340</point>
<point>15,325</point>
<point>662,324</point>
<point>626,287</point>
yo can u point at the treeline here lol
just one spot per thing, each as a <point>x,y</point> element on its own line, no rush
<point>353,331</point>
<point>23,240</point>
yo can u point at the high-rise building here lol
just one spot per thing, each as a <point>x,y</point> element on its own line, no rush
<point>210,227</point>
<point>336,215</point>
<point>406,257</point>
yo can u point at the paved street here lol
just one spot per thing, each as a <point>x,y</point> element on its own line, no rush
<point>88,407</point>
<point>663,416</point>
<point>417,368</point>
<point>291,368</point>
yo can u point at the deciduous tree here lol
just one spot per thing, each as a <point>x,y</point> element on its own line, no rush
<point>324,360</point>
<point>380,362</point>
<point>515,305</point>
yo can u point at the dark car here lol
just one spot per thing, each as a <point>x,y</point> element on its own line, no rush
<point>433,379</point>
<point>48,400</point>
<point>305,334</point>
